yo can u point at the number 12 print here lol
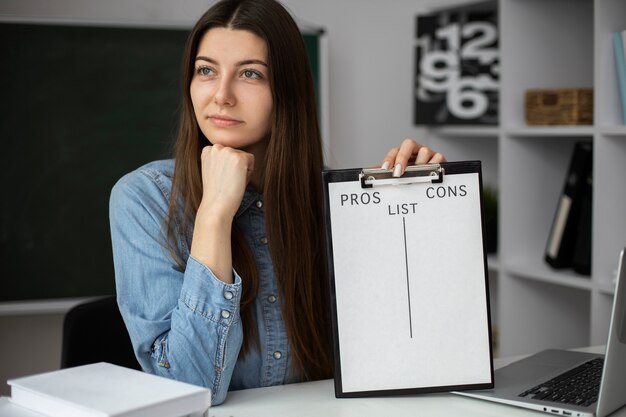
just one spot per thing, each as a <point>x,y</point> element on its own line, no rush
<point>457,68</point>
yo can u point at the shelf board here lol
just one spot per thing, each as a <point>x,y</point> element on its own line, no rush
<point>542,273</point>
<point>554,131</point>
<point>613,131</point>
<point>468,131</point>
<point>606,288</point>
<point>607,285</point>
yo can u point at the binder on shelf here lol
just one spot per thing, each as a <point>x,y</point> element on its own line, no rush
<point>581,258</point>
<point>566,233</point>
<point>619,49</point>
<point>408,271</point>
<point>106,390</point>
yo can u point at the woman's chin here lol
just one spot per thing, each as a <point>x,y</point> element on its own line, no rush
<point>234,142</point>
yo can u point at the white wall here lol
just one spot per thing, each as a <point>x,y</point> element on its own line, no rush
<point>370,65</point>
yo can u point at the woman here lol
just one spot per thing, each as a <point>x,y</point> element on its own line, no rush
<point>220,257</point>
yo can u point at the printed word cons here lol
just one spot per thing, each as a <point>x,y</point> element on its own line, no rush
<point>446,192</point>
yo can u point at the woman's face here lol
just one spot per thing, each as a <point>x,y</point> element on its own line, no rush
<point>230,88</point>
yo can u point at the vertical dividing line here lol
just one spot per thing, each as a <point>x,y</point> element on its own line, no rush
<point>408,286</point>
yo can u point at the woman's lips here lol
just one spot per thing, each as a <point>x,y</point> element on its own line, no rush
<point>224,121</point>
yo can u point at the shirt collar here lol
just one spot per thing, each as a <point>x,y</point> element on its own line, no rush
<point>249,197</point>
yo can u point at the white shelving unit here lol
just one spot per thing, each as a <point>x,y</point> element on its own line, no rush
<point>550,44</point>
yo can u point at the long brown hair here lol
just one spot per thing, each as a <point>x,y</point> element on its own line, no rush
<point>292,186</point>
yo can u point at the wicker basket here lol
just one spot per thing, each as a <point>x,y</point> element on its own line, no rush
<point>568,106</point>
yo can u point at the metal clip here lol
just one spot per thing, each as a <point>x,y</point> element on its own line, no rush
<point>431,173</point>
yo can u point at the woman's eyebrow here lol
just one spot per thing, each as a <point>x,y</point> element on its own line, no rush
<point>205,58</point>
<point>240,63</point>
<point>251,61</point>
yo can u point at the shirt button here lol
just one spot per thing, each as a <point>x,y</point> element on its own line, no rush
<point>228,295</point>
<point>264,240</point>
<point>225,314</point>
<point>259,204</point>
<point>277,355</point>
<point>271,299</point>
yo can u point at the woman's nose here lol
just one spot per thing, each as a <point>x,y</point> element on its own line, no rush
<point>224,95</point>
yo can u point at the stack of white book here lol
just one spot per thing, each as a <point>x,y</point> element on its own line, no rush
<point>103,390</point>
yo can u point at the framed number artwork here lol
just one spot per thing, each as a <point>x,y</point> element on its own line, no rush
<point>457,68</point>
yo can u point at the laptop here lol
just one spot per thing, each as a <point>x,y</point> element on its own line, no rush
<point>568,383</point>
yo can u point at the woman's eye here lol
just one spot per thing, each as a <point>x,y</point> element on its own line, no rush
<point>251,74</point>
<point>204,71</point>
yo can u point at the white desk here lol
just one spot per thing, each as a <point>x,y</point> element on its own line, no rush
<point>317,399</point>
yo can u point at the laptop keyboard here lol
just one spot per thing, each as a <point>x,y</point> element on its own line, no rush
<point>579,386</point>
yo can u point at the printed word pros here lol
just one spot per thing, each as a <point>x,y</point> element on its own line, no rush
<point>361,199</point>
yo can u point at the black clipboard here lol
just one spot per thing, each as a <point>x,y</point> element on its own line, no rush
<point>409,283</point>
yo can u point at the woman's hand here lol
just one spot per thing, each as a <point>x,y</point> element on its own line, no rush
<point>225,174</point>
<point>410,152</point>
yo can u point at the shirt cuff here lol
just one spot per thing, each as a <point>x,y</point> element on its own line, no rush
<point>205,294</point>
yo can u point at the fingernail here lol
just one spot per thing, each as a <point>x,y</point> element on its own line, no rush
<point>397,170</point>
<point>385,165</point>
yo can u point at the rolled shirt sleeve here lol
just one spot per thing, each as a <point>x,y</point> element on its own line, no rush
<point>183,325</point>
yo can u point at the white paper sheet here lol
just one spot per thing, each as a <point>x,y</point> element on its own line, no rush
<point>410,284</point>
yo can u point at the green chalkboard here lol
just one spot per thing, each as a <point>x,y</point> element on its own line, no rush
<point>79,107</point>
<point>312,44</point>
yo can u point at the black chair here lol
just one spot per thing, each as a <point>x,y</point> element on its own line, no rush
<point>95,332</point>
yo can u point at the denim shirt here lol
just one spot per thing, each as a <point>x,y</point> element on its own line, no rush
<point>186,325</point>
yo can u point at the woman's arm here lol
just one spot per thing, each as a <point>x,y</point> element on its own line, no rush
<point>225,174</point>
<point>183,325</point>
